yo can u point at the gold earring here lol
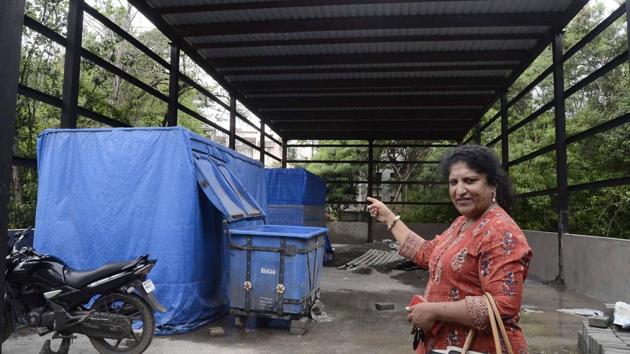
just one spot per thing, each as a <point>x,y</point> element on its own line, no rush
<point>494,199</point>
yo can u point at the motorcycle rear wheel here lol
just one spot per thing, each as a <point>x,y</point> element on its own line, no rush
<point>143,320</point>
<point>6,330</point>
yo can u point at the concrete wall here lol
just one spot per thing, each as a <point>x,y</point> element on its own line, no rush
<point>596,266</point>
<point>356,232</point>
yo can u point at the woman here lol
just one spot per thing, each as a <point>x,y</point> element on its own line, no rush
<point>483,250</point>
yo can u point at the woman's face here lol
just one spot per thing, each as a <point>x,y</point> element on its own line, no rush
<point>469,190</point>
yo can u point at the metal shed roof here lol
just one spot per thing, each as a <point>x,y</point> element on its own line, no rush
<point>371,69</point>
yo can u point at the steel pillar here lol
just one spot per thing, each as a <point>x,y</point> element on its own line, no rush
<point>477,137</point>
<point>11,20</point>
<point>505,147</point>
<point>232,138</point>
<point>72,65</point>
<point>284,152</point>
<point>370,185</point>
<point>173,87</point>
<point>561,147</point>
<point>262,143</point>
<point>628,26</point>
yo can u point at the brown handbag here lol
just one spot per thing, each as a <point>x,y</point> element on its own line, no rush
<point>498,329</point>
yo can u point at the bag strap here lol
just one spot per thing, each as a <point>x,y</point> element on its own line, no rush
<point>496,324</point>
<point>469,339</point>
<point>493,325</point>
<point>497,318</point>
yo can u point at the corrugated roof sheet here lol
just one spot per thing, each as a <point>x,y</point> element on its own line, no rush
<point>371,108</point>
<point>349,67</point>
<point>371,75</point>
<point>371,94</point>
<point>355,48</point>
<point>367,10</point>
<point>368,33</point>
<point>296,59</point>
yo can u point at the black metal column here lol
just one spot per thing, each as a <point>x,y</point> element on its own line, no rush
<point>173,87</point>
<point>505,152</point>
<point>11,20</point>
<point>72,65</point>
<point>284,153</point>
<point>561,148</point>
<point>232,137</point>
<point>262,143</point>
<point>477,138</point>
<point>628,26</point>
<point>370,185</point>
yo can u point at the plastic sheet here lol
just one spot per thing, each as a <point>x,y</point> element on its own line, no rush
<point>113,194</point>
<point>294,186</point>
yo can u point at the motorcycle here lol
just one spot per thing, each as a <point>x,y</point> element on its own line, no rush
<point>113,305</point>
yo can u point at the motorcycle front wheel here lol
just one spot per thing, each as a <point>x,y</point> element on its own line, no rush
<point>141,316</point>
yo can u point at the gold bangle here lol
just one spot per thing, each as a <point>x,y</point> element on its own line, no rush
<point>389,227</point>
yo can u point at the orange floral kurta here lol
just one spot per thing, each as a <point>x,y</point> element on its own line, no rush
<point>491,255</point>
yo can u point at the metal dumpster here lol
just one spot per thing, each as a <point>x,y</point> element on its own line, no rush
<point>275,270</point>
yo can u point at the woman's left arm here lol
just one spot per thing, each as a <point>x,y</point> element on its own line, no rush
<point>504,257</point>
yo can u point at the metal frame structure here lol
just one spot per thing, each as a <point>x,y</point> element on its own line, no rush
<point>562,190</point>
<point>382,104</point>
<point>10,41</point>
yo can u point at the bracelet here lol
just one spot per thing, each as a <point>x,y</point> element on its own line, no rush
<point>389,227</point>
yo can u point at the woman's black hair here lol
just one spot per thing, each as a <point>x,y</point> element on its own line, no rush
<point>482,160</point>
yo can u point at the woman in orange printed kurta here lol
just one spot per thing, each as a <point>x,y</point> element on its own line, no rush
<point>483,250</point>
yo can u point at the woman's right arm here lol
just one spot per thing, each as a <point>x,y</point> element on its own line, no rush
<point>412,245</point>
<point>381,213</point>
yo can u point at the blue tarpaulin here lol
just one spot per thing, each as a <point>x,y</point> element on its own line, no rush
<point>294,186</point>
<point>114,194</point>
<point>296,197</point>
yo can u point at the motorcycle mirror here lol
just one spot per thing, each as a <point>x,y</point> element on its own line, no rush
<point>22,235</point>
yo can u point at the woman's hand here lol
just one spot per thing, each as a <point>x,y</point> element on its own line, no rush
<point>422,316</point>
<point>379,211</point>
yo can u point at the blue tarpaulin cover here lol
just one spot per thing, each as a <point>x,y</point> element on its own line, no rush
<point>296,197</point>
<point>294,186</point>
<point>114,194</point>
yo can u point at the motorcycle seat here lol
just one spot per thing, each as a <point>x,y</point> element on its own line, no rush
<point>80,278</point>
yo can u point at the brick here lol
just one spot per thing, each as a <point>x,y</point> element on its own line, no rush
<point>299,327</point>
<point>216,331</point>
<point>609,310</point>
<point>383,306</point>
<point>599,321</point>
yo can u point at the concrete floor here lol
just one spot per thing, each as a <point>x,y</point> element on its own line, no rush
<point>355,326</point>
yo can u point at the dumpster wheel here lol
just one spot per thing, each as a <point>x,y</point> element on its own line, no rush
<point>240,321</point>
<point>299,326</point>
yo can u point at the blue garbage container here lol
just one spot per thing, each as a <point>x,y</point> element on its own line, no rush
<point>275,270</point>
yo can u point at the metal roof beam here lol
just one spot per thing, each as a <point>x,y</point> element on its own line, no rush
<point>370,58</point>
<point>452,82</point>
<point>233,73</point>
<point>375,114</point>
<point>369,22</point>
<point>367,101</point>
<point>372,39</point>
<point>258,5</point>
<point>380,134</point>
<point>380,125</point>
<point>368,90</point>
